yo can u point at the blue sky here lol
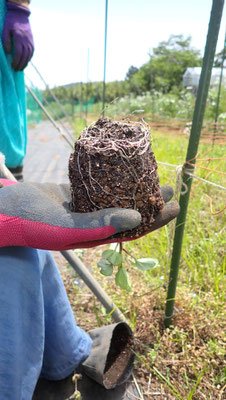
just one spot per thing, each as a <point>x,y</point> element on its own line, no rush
<point>66,32</point>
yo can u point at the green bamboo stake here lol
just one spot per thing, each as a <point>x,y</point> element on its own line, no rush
<point>211,42</point>
<point>219,86</point>
<point>87,83</point>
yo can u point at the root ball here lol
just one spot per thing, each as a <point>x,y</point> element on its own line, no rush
<point>113,166</point>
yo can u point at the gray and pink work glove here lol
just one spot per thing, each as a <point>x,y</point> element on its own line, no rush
<point>17,36</point>
<point>38,215</point>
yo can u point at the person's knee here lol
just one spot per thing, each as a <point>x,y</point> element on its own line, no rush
<point>20,268</point>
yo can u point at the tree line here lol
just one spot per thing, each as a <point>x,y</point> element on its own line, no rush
<point>163,72</point>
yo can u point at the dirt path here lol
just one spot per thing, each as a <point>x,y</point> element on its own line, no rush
<point>47,155</point>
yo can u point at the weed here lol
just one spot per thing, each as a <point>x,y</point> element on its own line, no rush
<point>186,362</point>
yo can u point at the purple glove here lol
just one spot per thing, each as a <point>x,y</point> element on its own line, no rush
<point>17,31</point>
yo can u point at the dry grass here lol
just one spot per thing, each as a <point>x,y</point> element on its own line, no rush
<point>170,363</point>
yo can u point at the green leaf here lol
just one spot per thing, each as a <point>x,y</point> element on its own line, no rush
<point>146,264</point>
<point>107,254</point>
<point>122,279</point>
<point>106,267</point>
<point>153,354</point>
<point>116,258</point>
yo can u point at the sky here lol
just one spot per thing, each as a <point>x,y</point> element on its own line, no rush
<point>69,35</point>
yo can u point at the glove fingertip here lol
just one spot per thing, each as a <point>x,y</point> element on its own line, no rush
<point>167,214</point>
<point>167,192</point>
<point>125,219</point>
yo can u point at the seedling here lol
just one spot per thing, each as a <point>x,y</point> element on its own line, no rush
<point>114,259</point>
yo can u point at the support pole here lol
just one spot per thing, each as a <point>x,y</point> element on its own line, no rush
<point>220,84</point>
<point>105,54</point>
<point>87,88</point>
<point>211,42</point>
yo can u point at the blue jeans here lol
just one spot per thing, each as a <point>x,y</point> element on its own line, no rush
<point>38,332</point>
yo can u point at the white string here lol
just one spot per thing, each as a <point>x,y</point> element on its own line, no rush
<point>204,180</point>
<point>169,165</point>
<point>179,170</point>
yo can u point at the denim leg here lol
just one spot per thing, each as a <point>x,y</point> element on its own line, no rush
<point>66,345</point>
<point>38,333</point>
<point>21,322</point>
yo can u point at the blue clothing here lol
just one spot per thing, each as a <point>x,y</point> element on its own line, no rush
<point>13,128</point>
<point>38,332</point>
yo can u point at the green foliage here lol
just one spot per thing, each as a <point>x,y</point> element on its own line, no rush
<point>116,89</point>
<point>170,105</point>
<point>197,338</point>
<point>106,267</point>
<point>162,73</point>
<point>131,71</point>
<point>154,89</point>
<point>122,279</point>
<point>210,112</point>
<point>203,257</point>
<point>114,258</point>
<point>166,67</point>
<point>146,264</point>
<point>80,95</point>
<point>79,123</point>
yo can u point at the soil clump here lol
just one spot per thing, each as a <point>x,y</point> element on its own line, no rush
<point>113,165</point>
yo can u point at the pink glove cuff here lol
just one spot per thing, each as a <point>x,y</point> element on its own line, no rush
<point>7,182</point>
<point>39,235</point>
<point>19,232</point>
<point>30,217</point>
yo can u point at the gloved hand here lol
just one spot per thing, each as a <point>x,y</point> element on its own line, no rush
<point>38,215</point>
<point>17,31</point>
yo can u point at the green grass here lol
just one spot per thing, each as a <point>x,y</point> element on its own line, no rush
<point>202,266</point>
<point>201,284</point>
<point>202,263</point>
<point>185,362</point>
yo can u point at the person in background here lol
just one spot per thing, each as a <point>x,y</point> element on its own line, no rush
<point>16,50</point>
